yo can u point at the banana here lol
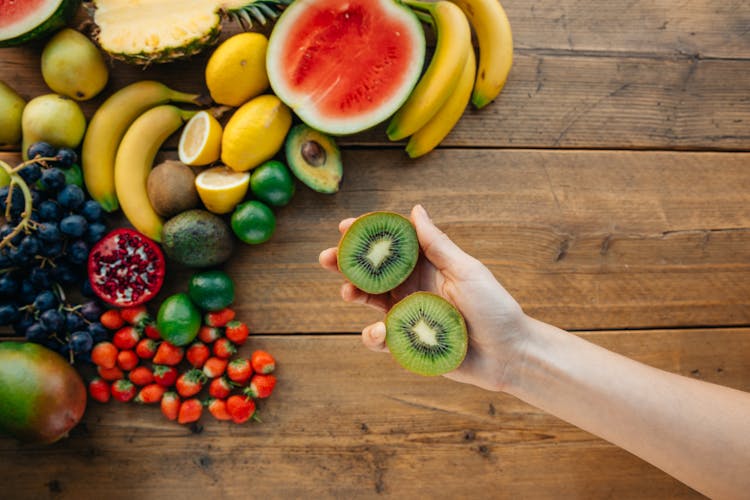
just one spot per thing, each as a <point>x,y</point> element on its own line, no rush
<point>495,41</point>
<point>107,128</point>
<point>133,162</point>
<point>428,137</point>
<point>441,77</point>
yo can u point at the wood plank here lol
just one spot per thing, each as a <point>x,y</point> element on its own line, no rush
<point>345,422</point>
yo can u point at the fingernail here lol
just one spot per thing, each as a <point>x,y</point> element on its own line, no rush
<point>422,212</point>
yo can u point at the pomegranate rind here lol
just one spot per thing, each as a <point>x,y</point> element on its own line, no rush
<point>344,67</point>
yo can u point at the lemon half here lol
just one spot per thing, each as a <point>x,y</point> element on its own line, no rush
<point>221,188</point>
<point>200,142</point>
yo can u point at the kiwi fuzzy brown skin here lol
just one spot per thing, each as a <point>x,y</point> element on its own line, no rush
<point>409,253</point>
<point>446,344</point>
<point>171,188</point>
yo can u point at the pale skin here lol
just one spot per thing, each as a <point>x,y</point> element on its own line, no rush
<point>696,431</point>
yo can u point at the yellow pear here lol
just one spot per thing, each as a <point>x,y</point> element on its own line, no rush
<point>73,66</point>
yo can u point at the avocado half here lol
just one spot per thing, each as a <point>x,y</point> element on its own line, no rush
<point>314,159</point>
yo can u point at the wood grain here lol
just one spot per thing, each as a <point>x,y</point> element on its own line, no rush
<point>345,422</point>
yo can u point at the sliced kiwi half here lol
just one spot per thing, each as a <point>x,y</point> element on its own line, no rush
<point>426,334</point>
<point>378,252</point>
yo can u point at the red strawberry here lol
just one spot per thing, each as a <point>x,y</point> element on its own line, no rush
<point>123,390</point>
<point>141,375</point>
<point>237,332</point>
<point>261,386</point>
<point>151,331</point>
<point>170,405</point>
<point>165,375</point>
<point>137,315</point>
<point>220,388</point>
<point>110,374</point>
<point>190,383</point>
<point>197,354</point>
<point>239,370</point>
<point>104,354</point>
<point>215,367</point>
<point>168,354</point>
<point>99,390</point>
<point>127,360</point>
<point>146,348</point>
<point>111,319</point>
<point>220,317</point>
<point>190,411</point>
<point>152,393</point>
<point>209,334</point>
<point>218,408</point>
<point>223,348</point>
<point>262,362</point>
<point>241,408</point>
<point>126,337</point>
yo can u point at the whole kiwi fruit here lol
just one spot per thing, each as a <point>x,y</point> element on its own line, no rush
<point>171,188</point>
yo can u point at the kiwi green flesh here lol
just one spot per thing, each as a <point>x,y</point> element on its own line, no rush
<point>426,334</point>
<point>378,252</point>
<point>314,159</point>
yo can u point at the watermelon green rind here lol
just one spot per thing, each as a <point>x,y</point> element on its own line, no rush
<point>55,21</point>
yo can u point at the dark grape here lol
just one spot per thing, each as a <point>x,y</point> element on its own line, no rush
<point>65,273</point>
<point>52,249</point>
<point>71,197</point>
<point>45,301</point>
<point>19,257</point>
<point>86,289</point>
<point>78,252</point>
<point>30,245</point>
<point>49,232</point>
<point>36,332</point>
<point>49,211</point>
<point>31,173</point>
<point>95,232</point>
<point>22,323</point>
<point>42,150</point>
<point>9,313</point>
<point>91,310</point>
<point>98,332</point>
<point>66,157</point>
<point>16,201</point>
<point>5,259</point>
<point>53,179</point>
<point>40,278</point>
<point>6,229</point>
<point>9,285</point>
<point>52,319</point>
<point>81,341</point>
<point>92,211</point>
<point>73,226</point>
<point>27,293</point>
<point>73,321</point>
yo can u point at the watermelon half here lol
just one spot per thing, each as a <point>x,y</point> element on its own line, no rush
<point>345,66</point>
<point>22,21</point>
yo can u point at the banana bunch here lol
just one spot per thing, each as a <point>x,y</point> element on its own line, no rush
<point>453,77</point>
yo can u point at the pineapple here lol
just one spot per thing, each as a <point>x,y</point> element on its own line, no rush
<point>156,31</point>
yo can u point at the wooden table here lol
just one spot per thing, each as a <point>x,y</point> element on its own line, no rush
<point>608,188</point>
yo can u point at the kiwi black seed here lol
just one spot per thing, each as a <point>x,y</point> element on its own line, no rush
<point>426,334</point>
<point>379,251</point>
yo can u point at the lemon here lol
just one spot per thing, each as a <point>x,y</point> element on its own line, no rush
<point>236,71</point>
<point>221,188</point>
<point>255,133</point>
<point>200,141</point>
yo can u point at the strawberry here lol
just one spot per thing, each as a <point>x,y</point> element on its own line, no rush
<point>261,386</point>
<point>111,319</point>
<point>110,374</point>
<point>190,383</point>
<point>241,408</point>
<point>239,370</point>
<point>123,390</point>
<point>219,318</point>
<point>237,332</point>
<point>165,375</point>
<point>223,348</point>
<point>190,411</point>
<point>220,388</point>
<point>168,354</point>
<point>209,334</point>
<point>99,390</point>
<point>136,315</point>
<point>127,360</point>
<point>146,348</point>
<point>141,375</point>
<point>170,405</point>
<point>104,354</point>
<point>262,362</point>
<point>215,367</point>
<point>151,331</point>
<point>126,337</point>
<point>197,354</point>
<point>152,393</point>
<point>218,408</point>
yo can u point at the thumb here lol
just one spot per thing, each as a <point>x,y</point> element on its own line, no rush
<point>436,245</point>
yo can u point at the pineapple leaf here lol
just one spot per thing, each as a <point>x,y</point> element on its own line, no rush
<point>257,14</point>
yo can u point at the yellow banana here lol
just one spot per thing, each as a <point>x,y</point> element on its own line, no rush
<point>134,160</point>
<point>107,128</point>
<point>495,41</point>
<point>428,137</point>
<point>441,77</point>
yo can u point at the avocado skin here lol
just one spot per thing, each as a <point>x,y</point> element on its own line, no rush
<point>197,238</point>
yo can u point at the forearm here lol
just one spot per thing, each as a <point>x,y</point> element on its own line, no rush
<point>695,431</point>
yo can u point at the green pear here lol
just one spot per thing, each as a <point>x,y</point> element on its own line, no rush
<point>55,119</point>
<point>11,108</point>
<point>73,66</point>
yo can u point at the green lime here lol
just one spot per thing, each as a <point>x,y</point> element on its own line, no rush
<point>178,319</point>
<point>211,290</point>
<point>253,222</point>
<point>272,183</point>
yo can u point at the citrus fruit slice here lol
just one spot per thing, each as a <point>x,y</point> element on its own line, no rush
<point>221,188</point>
<point>200,142</point>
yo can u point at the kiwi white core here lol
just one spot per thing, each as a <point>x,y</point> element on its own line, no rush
<point>425,333</point>
<point>379,252</point>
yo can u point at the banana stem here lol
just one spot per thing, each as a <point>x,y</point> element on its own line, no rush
<point>416,4</point>
<point>197,99</point>
<point>17,180</point>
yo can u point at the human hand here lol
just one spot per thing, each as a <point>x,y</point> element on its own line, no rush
<point>495,322</point>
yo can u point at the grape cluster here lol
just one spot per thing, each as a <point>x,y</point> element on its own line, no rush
<point>48,255</point>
